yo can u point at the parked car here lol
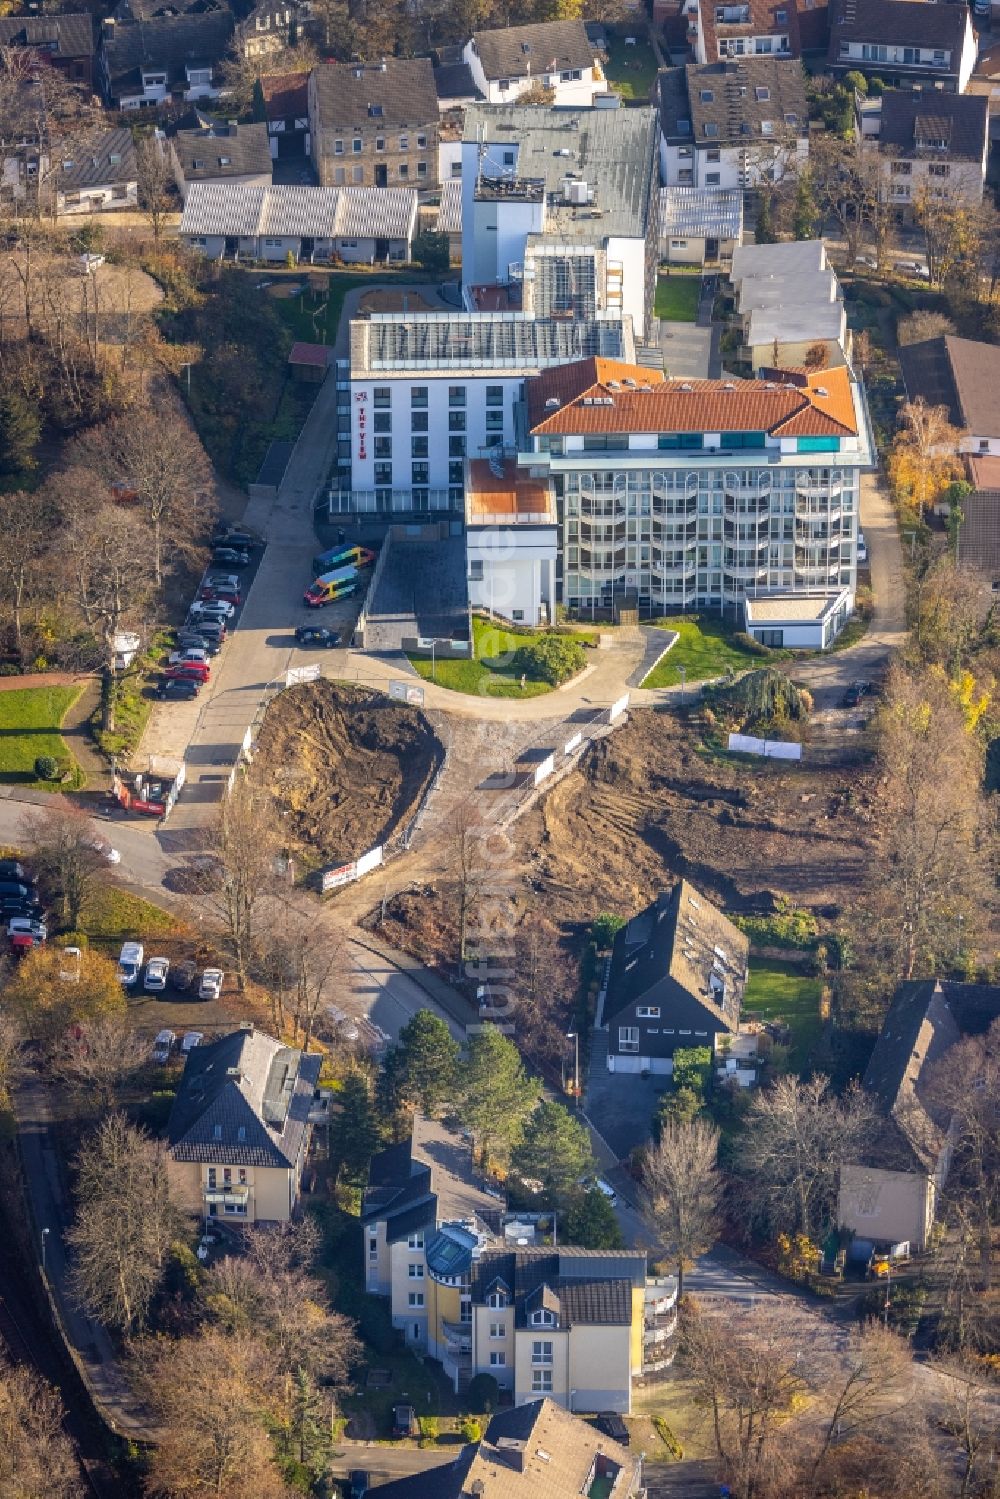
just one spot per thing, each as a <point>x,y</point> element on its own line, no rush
<point>15,887</point>
<point>183,975</point>
<point>179,687</point>
<point>404,1421</point>
<point>30,926</point>
<point>103,847</point>
<point>211,609</point>
<point>130,963</point>
<point>235,537</point>
<point>868,261</point>
<point>606,1190</point>
<point>234,556</point>
<point>862,547</point>
<point>317,635</point>
<point>855,694</point>
<point>190,1041</point>
<point>155,981</point>
<point>211,984</point>
<point>224,595</point>
<point>613,1426</point>
<point>18,905</point>
<point>11,869</point>
<point>915,268</point>
<point>163,1046</point>
<point>220,580</point>
<point>188,653</point>
<point>189,671</point>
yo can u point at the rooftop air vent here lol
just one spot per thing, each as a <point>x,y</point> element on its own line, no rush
<point>632,384</point>
<point>552,402</point>
<point>685,386</point>
<point>820,390</point>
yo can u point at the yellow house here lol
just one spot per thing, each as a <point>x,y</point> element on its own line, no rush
<point>240,1127</point>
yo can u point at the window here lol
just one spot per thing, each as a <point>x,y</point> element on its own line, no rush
<point>762,95</point>
<point>456,421</point>
<point>543,1318</point>
<point>628,1038</point>
<point>383,447</point>
<point>497,1299</point>
<point>404,142</point>
<point>419,447</point>
<point>541,1353</point>
<point>211,1176</point>
<point>374,111</point>
<point>711,130</point>
<point>713,154</point>
<point>383,473</point>
<point>456,395</point>
<point>380,143</point>
<point>456,472</point>
<point>404,171</point>
<point>456,447</point>
<point>773,638</point>
<point>338,148</point>
<point>234,1209</point>
<point>647,1012</point>
<point>420,473</point>
<point>938,169</point>
<point>902,168</point>
<point>382,396</point>
<point>503,84</point>
<point>418,421</point>
<point>421,143</point>
<point>421,169</point>
<point>356,146</point>
<point>382,421</point>
<point>418,396</point>
<point>767,127</point>
<point>357,177</point>
<point>712,179</point>
<point>498,1359</point>
<point>541,1381</point>
<point>508,158</point>
<point>225,161</point>
<point>415,1272</point>
<point>497,1329</point>
<point>415,1298</point>
<point>338,176</point>
<point>373,1249</point>
<point>494,395</point>
<point>494,421</point>
<point>707,96</point>
<point>476,575</point>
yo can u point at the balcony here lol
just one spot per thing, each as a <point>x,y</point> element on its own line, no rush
<point>605,508</point>
<point>814,515</point>
<point>809,573</point>
<point>458,1337</point>
<point>601,535</point>
<point>684,571</point>
<point>755,573</point>
<point>746,506</point>
<point>819,488</point>
<point>602,562</point>
<point>229,1193</point>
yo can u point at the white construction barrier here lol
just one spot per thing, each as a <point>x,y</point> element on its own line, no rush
<point>617,709</point>
<point>774,749</point>
<point>368,861</point>
<point>296,674</point>
<point>407,692</point>
<point>572,744</point>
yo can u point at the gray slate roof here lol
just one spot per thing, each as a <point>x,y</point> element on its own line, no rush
<point>454,80</point>
<point>402,89</point>
<point>214,208</point>
<point>220,151</point>
<point>754,99</point>
<point>586,1287</point>
<point>905,22</point>
<point>520,51</point>
<point>67,36</point>
<point>243,1100</point>
<point>95,160</point>
<point>909,117</point>
<point>169,42</point>
<point>962,374</point>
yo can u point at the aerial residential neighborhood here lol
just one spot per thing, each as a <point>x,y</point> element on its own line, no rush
<point>499,750</point>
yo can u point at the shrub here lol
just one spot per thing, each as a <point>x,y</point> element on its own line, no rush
<point>431,250</point>
<point>46,767</point>
<point>604,929</point>
<point>786,927</point>
<point>470,1427</point>
<point>484,1393</point>
<point>550,658</point>
<point>71,939</point>
<point>668,1439</point>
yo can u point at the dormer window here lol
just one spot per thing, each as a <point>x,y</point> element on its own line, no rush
<point>374,111</point>
<point>217,1132</point>
<point>496,1299</point>
<point>543,1318</point>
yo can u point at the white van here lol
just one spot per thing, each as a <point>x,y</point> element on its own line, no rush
<point>130,963</point>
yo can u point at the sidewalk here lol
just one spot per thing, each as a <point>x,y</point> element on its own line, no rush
<point>86,1340</point>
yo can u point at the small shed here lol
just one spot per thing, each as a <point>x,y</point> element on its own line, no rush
<point>308,362</point>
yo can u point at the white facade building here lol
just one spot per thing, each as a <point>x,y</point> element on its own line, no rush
<point>556,54</point>
<point>733,124</point>
<point>512,541</point>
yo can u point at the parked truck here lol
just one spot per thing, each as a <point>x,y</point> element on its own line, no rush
<point>330,586</point>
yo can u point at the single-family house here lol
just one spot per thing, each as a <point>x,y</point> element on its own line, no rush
<point>700,225</point>
<point>559,55</point>
<point>270,26</point>
<point>63,42</point>
<point>732,124</point>
<point>719,30</point>
<point>906,43</point>
<point>935,145</point>
<point>889,1192</point>
<point>359,224</point>
<point>175,57</point>
<point>375,124</point>
<point>537,1449</point>
<point>282,101</point>
<point>240,1127</point>
<point>94,173</point>
<point>677,976</point>
<point>221,152</point>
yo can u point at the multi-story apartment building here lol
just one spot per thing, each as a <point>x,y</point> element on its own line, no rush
<point>488,1292</point>
<point>678,494</point>
<point>375,125</point>
<point>560,210</point>
<point>722,29</point>
<point>929,44</point>
<point>933,146</point>
<point>732,124</point>
<point>430,390</point>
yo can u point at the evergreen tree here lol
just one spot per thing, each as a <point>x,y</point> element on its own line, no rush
<point>423,1069</point>
<point>555,1149</point>
<point>20,429</point>
<point>497,1094</point>
<point>805,213</point>
<point>310,1439</point>
<point>589,1221</point>
<point>356,1131</point>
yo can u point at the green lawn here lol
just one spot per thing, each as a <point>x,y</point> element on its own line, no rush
<point>30,720</point>
<point>677,298</point>
<point>112,915</point>
<point>785,992</point>
<point>490,674</point>
<point>631,71</point>
<point>705,649</point>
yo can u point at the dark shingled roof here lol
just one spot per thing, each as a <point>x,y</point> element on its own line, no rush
<point>592,1287</point>
<point>454,80</point>
<point>220,151</point>
<point>86,161</point>
<point>243,1100</point>
<point>520,51</point>
<point>64,36</point>
<point>403,88</point>
<point>909,117</point>
<point>960,373</point>
<point>170,42</point>
<point>731,102</point>
<point>903,22</point>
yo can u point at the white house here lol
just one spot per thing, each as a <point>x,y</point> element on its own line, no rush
<point>907,43</point>
<point>175,57</point>
<point>91,173</point>
<point>700,226</point>
<point>358,224</point>
<point>934,145</point>
<point>742,28</point>
<point>557,54</point>
<point>511,540</point>
<point>732,124</point>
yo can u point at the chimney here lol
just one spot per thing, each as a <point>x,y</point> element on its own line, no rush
<point>108,29</point>
<point>247,1025</point>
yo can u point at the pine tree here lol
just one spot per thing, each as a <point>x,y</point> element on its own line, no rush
<point>310,1436</point>
<point>555,1150</point>
<point>356,1131</point>
<point>497,1094</point>
<point>425,1063</point>
<point>20,429</point>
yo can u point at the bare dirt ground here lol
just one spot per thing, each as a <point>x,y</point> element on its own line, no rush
<point>113,293</point>
<point>346,766</point>
<point>648,805</point>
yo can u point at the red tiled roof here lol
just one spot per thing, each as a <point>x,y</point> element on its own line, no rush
<point>285,95</point>
<point>312,354</point>
<point>984,473</point>
<point>762,22</point>
<point>593,398</point>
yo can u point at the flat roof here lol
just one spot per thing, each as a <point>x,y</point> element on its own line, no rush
<point>793,608</point>
<point>778,260</point>
<point>613,151</point>
<point>799,288</point>
<point>797,322</point>
<point>701,212</point>
<point>392,343</point>
<point>500,492</point>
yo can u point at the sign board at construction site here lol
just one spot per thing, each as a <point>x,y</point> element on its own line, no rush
<point>296,674</point>
<point>774,749</point>
<point>368,861</point>
<point>407,692</point>
<point>572,744</point>
<point>343,875</point>
<point>617,709</point>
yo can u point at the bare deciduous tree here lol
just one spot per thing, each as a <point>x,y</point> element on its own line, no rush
<point>241,876</point>
<point>11,1037</point>
<point>153,182</point>
<point>67,856</point>
<point>24,523</point>
<point>683,1189</point>
<point>99,1059</point>
<point>124,1225</point>
<point>858,1387</point>
<point>36,1455</point>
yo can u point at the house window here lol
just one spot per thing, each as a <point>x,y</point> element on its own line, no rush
<point>419,447</point>
<point>541,1381</point>
<point>456,421</point>
<point>498,1329</point>
<point>418,421</point>
<point>628,1038</point>
<point>497,1299</point>
<point>211,1176</point>
<point>541,1353</point>
<point>382,396</point>
<point>383,473</point>
<point>456,447</point>
<point>508,158</point>
<point>647,1012</point>
<point>382,421</point>
<point>902,168</point>
<point>421,169</point>
<point>418,395</point>
<point>234,1209</point>
<point>338,176</point>
<point>374,111</point>
<point>773,638</point>
<point>456,473</point>
<point>404,142</point>
<point>476,573</point>
<point>498,1359</point>
<point>356,146</point>
<point>357,177</point>
<point>712,179</point>
<point>421,143</point>
<point>380,143</point>
<point>421,473</point>
<point>404,171</point>
<point>543,1318</point>
<point>456,395</point>
<point>503,84</point>
<point>373,1249</point>
<point>937,169</point>
<point>338,148</point>
<point>714,153</point>
<point>383,447</point>
<point>416,1272</point>
<point>494,395</point>
<point>494,421</point>
<point>415,1298</point>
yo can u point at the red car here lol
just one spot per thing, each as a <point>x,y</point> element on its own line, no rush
<point>188,671</point>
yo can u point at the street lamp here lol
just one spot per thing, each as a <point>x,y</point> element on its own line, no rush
<point>433,670</point>
<point>683,671</point>
<point>45,1234</point>
<point>574,1036</point>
